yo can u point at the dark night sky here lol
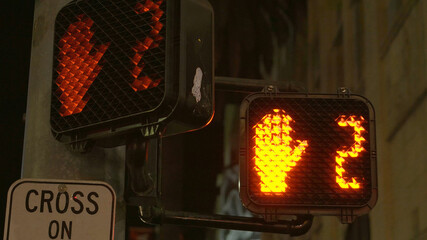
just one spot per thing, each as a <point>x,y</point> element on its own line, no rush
<point>16,21</point>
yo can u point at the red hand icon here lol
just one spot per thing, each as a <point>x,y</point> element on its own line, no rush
<point>78,65</point>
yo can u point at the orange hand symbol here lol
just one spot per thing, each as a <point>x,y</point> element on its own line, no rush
<point>276,153</point>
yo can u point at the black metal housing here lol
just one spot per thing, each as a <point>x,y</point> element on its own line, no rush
<point>177,104</point>
<point>311,188</point>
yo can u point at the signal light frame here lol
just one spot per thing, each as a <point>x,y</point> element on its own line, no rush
<point>188,51</point>
<point>279,205</point>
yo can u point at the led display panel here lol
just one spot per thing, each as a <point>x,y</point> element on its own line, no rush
<point>129,64</point>
<point>307,154</point>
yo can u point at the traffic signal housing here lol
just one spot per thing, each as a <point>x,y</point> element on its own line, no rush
<point>121,66</point>
<point>308,154</point>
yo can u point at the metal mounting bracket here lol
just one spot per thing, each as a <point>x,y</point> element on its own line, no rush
<point>142,188</point>
<point>296,227</point>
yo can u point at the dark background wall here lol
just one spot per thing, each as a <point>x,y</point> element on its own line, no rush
<point>16,22</point>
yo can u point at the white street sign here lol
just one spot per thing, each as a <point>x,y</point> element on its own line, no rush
<point>60,209</point>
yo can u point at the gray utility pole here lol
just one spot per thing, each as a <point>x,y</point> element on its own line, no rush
<point>44,157</point>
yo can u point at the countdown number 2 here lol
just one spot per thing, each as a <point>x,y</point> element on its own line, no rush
<point>349,152</point>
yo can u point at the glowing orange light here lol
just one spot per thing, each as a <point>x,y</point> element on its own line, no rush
<point>276,153</point>
<point>144,82</point>
<point>78,65</point>
<point>353,151</point>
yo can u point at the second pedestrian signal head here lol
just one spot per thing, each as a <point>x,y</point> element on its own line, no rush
<point>307,154</point>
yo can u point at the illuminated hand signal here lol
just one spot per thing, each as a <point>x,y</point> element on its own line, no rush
<point>352,152</point>
<point>78,65</point>
<point>276,153</point>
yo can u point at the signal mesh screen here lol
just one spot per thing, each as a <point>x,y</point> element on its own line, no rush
<point>109,61</point>
<point>307,173</point>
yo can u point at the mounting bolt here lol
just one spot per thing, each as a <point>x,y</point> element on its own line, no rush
<point>343,90</point>
<point>62,188</point>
